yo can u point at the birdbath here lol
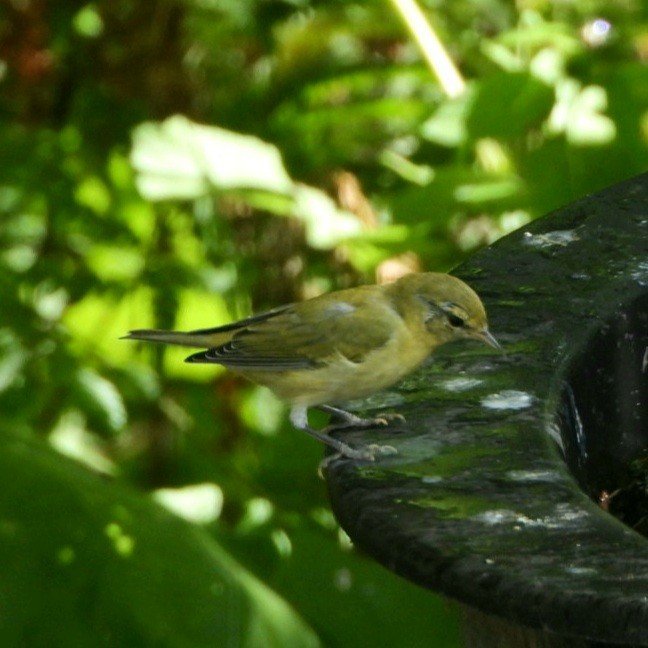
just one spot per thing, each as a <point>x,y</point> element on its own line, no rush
<point>508,464</point>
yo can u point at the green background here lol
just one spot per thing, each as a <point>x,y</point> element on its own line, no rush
<point>180,164</point>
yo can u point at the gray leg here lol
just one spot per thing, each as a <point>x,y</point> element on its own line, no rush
<point>348,419</point>
<point>299,418</point>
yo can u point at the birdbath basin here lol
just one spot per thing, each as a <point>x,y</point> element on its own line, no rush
<point>500,494</point>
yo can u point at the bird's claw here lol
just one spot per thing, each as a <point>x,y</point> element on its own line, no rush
<point>360,422</point>
<point>386,419</point>
<point>376,450</point>
<point>368,453</point>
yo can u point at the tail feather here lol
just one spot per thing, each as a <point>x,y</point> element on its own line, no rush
<point>201,339</point>
<point>204,338</point>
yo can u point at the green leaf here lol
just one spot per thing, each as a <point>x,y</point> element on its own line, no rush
<point>103,397</point>
<point>94,194</point>
<point>326,225</point>
<point>178,159</point>
<point>98,321</point>
<point>87,562</point>
<point>579,113</point>
<point>506,105</point>
<point>447,126</point>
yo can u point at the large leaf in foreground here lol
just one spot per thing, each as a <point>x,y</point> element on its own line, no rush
<point>87,562</point>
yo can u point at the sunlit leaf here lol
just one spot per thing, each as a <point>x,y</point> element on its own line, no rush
<point>196,309</point>
<point>102,396</point>
<point>97,322</point>
<point>178,159</point>
<point>199,503</point>
<point>115,263</point>
<point>261,410</point>
<point>447,126</point>
<point>12,358</point>
<point>579,114</point>
<point>72,438</point>
<point>487,190</point>
<point>93,193</point>
<point>326,224</point>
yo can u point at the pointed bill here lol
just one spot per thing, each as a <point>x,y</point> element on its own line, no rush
<point>488,338</point>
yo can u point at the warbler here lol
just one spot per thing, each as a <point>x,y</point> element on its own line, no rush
<point>342,345</point>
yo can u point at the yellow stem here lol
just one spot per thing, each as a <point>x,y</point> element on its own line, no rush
<point>431,47</point>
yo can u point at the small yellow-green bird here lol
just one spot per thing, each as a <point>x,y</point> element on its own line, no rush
<point>341,345</point>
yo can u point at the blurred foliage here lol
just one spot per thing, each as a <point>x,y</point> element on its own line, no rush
<point>178,163</point>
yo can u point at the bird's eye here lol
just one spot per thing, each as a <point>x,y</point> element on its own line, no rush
<point>455,320</point>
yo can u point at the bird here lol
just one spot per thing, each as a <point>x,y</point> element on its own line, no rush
<point>340,346</point>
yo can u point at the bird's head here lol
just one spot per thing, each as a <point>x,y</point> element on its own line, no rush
<point>449,309</point>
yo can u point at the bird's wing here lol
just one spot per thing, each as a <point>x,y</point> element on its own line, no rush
<point>307,335</point>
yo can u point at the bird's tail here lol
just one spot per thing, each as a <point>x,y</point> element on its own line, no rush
<point>204,339</point>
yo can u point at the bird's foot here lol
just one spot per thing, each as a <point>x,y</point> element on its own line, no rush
<point>387,418</point>
<point>374,450</point>
<point>348,419</point>
<point>365,453</point>
<point>368,453</point>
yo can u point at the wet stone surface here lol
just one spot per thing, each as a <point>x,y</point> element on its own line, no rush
<point>492,497</point>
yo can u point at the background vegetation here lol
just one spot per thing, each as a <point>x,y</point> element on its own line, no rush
<point>129,198</point>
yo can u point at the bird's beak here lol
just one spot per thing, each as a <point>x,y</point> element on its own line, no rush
<point>488,338</point>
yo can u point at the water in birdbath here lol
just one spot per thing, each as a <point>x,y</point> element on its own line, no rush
<point>605,416</point>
